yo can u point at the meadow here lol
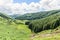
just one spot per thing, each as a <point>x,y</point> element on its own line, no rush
<point>13,31</point>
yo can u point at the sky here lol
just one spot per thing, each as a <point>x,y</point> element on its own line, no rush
<point>27,1</point>
<point>28,6</point>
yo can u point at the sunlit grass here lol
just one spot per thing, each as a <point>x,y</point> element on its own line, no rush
<point>13,31</point>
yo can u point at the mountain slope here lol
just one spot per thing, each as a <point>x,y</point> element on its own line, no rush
<point>38,15</point>
<point>12,31</point>
<point>50,22</point>
<point>5,16</point>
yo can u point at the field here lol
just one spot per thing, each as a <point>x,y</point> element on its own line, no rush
<point>13,31</point>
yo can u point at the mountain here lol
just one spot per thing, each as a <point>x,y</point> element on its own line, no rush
<point>38,15</point>
<point>50,22</point>
<point>5,16</point>
<point>14,15</point>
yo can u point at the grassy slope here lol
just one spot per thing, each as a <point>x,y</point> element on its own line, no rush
<point>47,35</point>
<point>52,37</point>
<point>13,31</point>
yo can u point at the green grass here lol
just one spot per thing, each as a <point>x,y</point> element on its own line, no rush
<point>13,31</point>
<point>10,32</point>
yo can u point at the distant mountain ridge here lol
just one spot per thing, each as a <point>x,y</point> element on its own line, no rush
<point>30,16</point>
<point>5,16</point>
<point>38,15</point>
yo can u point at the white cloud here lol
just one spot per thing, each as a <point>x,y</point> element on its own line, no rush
<point>8,6</point>
<point>50,4</point>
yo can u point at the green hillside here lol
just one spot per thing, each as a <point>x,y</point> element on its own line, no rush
<point>49,22</point>
<point>13,31</point>
<point>46,28</point>
<point>5,16</point>
<point>38,15</point>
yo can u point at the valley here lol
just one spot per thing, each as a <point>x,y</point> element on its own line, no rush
<point>32,26</point>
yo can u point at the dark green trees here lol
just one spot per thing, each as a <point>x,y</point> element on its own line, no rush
<point>50,22</point>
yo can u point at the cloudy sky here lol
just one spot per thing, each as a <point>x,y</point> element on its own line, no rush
<point>27,6</point>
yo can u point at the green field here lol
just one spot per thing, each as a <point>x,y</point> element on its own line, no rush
<point>13,31</point>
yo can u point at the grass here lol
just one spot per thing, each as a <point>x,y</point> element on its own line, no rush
<point>48,35</point>
<point>55,37</point>
<point>13,31</point>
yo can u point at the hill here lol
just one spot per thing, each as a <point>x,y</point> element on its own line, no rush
<point>11,30</point>
<point>50,22</point>
<point>5,16</point>
<point>38,15</point>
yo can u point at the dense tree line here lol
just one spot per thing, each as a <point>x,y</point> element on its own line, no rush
<point>50,22</point>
